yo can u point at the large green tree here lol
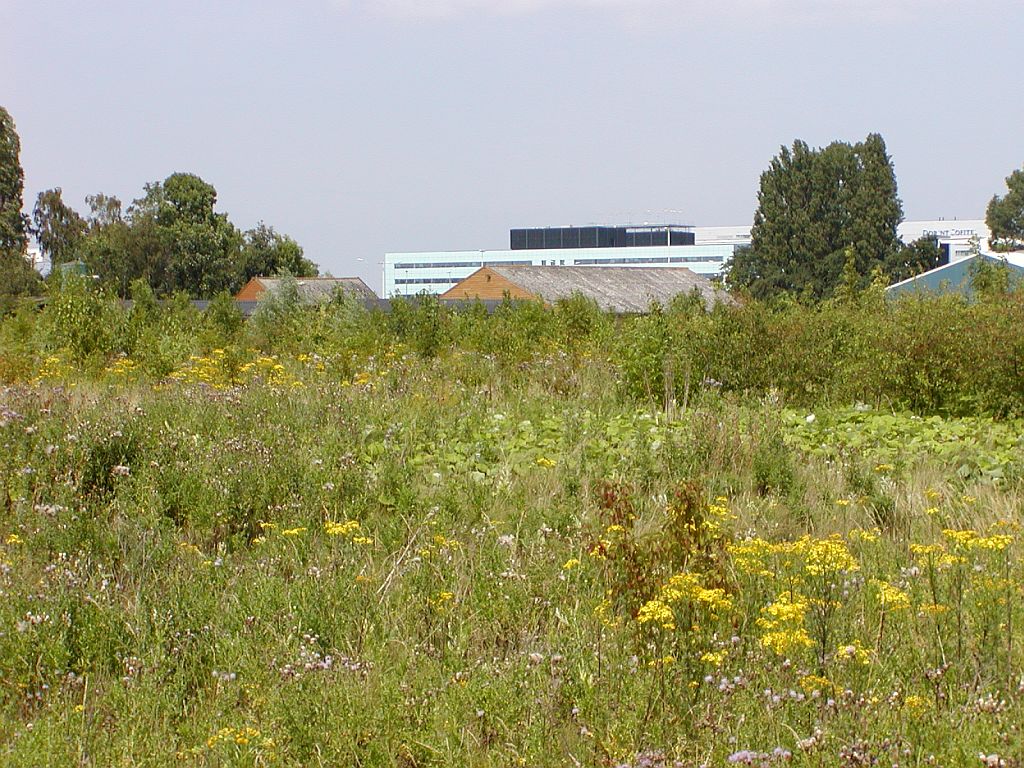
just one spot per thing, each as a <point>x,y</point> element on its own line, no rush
<point>119,250</point>
<point>818,210</point>
<point>1005,215</point>
<point>12,221</point>
<point>17,276</point>
<point>58,227</point>
<point>171,238</point>
<point>203,246</point>
<point>914,258</point>
<point>266,253</point>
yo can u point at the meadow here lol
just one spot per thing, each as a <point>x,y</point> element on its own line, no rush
<point>543,537</point>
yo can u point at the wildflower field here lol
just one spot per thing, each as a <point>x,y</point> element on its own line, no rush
<point>543,537</point>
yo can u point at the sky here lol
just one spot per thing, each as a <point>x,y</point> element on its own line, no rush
<point>360,127</point>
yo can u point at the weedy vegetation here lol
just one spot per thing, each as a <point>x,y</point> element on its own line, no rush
<point>763,535</point>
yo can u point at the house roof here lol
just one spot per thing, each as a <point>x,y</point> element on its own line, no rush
<point>622,290</point>
<point>316,289</point>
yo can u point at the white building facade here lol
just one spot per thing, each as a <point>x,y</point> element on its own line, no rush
<point>408,274</point>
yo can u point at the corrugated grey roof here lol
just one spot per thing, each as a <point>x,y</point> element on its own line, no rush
<point>316,289</point>
<point>624,290</point>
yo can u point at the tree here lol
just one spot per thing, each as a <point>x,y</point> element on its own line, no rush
<point>922,255</point>
<point>17,277</point>
<point>104,210</point>
<point>819,209</point>
<point>1005,215</point>
<point>58,228</point>
<point>174,240</point>
<point>104,247</point>
<point>12,221</point>
<point>990,278</point>
<point>203,245</point>
<point>266,253</point>
<point>170,237</point>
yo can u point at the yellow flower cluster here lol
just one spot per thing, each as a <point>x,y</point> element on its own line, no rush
<point>441,601</point>
<point>363,380</point>
<point>811,683</point>
<point>782,624</point>
<point>860,534</point>
<point>600,549</point>
<point>271,370</point>
<point>439,544</point>
<point>54,368</point>
<point>854,653</point>
<point>718,513</point>
<point>751,555</point>
<point>971,540</point>
<point>933,556</point>
<point>239,736</point>
<point>349,530</point>
<point>687,586</point>
<point>683,587</point>
<point>123,366</point>
<point>816,557</point>
<point>220,371</point>
<point>826,557</point>
<point>891,598</point>
<point>657,612</point>
<point>915,704</point>
<point>346,529</point>
<point>715,658</point>
<point>962,544</point>
<point>214,370</point>
<point>710,523</point>
<point>604,613</point>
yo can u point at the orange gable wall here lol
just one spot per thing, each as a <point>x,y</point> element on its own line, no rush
<point>251,291</point>
<point>486,284</point>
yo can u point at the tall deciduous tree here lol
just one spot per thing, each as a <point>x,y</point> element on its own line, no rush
<point>12,220</point>
<point>1005,215</point>
<point>915,258</point>
<point>58,227</point>
<point>266,253</point>
<point>171,238</point>
<point>104,247</point>
<point>204,246</point>
<point>818,210</point>
<point>16,275</point>
<point>174,240</point>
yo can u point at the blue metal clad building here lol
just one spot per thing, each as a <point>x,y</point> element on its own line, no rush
<point>956,277</point>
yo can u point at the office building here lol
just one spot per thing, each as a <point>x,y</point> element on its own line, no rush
<point>704,250</point>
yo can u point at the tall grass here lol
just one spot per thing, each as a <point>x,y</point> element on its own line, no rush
<point>433,538</point>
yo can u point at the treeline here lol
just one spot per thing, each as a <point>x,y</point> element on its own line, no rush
<point>926,354</point>
<point>171,237</point>
<point>826,217</point>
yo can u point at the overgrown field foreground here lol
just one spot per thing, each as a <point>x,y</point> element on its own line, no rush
<point>419,557</point>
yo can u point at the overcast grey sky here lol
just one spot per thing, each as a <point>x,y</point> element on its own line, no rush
<point>365,126</point>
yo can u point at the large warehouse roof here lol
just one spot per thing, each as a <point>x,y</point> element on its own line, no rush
<point>310,289</point>
<point>624,290</point>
